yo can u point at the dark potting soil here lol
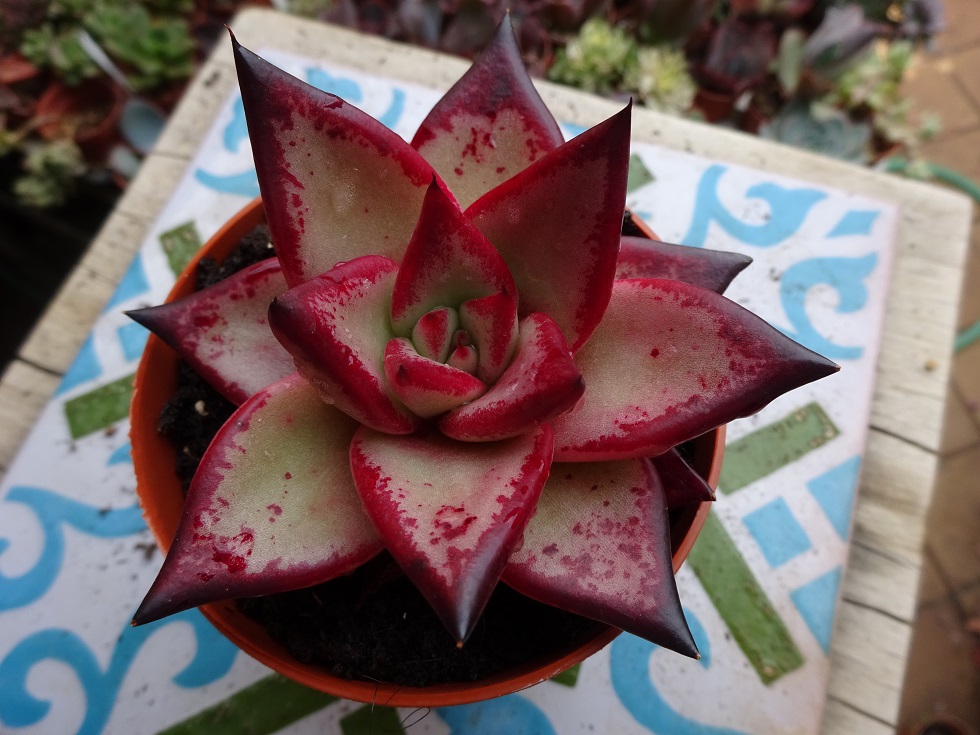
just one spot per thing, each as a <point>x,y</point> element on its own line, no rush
<point>372,624</point>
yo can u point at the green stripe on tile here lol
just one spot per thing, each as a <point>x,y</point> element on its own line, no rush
<point>265,707</point>
<point>180,244</point>
<point>372,720</point>
<point>774,446</point>
<point>742,603</point>
<point>569,677</point>
<point>99,408</point>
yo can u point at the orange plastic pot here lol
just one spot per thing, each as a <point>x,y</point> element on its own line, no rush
<point>162,499</point>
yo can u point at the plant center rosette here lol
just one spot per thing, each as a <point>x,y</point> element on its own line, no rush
<point>457,357</point>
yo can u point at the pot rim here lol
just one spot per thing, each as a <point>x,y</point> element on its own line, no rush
<point>161,499</point>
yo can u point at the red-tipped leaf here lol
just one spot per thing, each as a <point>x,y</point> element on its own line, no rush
<point>448,261</point>
<point>711,269</point>
<point>491,125</point>
<point>450,513</point>
<point>433,334</point>
<point>557,224</point>
<point>223,331</point>
<point>336,328</point>
<point>335,182</point>
<point>669,362</point>
<point>272,507</point>
<point>599,546</point>
<point>464,358</point>
<point>541,382</point>
<point>491,324</point>
<point>682,485</point>
<point>427,388</point>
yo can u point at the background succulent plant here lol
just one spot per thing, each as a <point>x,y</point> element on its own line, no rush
<point>597,59</point>
<point>485,366</point>
<point>825,130</point>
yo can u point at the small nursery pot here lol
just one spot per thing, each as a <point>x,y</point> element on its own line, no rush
<point>88,113</point>
<point>162,499</point>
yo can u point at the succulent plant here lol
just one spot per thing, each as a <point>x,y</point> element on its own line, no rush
<point>455,356</point>
<point>157,49</point>
<point>822,129</point>
<point>738,56</point>
<point>875,81</point>
<point>596,59</point>
<point>843,35</point>
<point>146,37</point>
<point>50,172</point>
<point>660,80</point>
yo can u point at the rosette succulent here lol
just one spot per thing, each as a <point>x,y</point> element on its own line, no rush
<point>456,356</point>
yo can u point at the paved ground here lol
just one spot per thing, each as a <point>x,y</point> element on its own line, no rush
<point>944,669</point>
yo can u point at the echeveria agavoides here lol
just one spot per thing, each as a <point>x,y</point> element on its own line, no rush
<point>485,377</point>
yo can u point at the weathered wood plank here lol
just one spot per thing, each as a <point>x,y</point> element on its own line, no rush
<point>65,323</point>
<point>916,354</point>
<point>113,249</point>
<point>841,718</point>
<point>881,580</point>
<point>196,111</point>
<point>23,392</point>
<point>873,629</point>
<point>896,488</point>
<point>869,649</point>
<point>59,333</point>
<point>152,187</point>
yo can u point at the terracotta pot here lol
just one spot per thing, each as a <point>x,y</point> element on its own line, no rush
<point>162,499</point>
<point>714,106</point>
<point>88,113</point>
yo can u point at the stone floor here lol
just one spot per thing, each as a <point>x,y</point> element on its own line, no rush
<point>943,676</point>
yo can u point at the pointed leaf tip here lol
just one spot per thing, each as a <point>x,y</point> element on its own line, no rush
<point>223,331</point>
<point>671,361</point>
<point>257,522</point>
<point>490,125</point>
<point>599,546</point>
<point>335,182</point>
<point>450,513</point>
<point>448,262</point>
<point>569,271</point>
<point>711,269</point>
<point>682,485</point>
